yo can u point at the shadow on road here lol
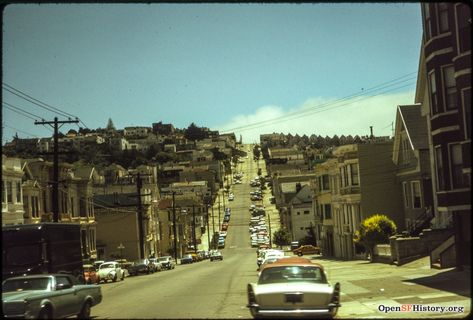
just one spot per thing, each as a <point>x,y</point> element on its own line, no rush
<point>458,282</point>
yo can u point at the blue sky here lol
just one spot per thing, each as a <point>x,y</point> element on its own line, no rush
<point>221,66</point>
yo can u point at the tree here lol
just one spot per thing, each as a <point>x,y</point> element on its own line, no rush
<point>110,125</point>
<point>194,132</point>
<point>282,237</point>
<point>374,230</point>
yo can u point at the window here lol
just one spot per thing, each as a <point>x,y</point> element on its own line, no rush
<point>443,16</point>
<point>405,191</point>
<point>26,207</point>
<point>416,195</point>
<point>18,192</point>
<point>328,211</point>
<point>9,192</point>
<point>325,182</point>
<point>427,22</point>
<point>433,93</point>
<point>467,108</point>
<point>345,176</point>
<point>450,88</point>
<point>439,167</point>
<point>456,161</point>
<point>405,151</point>
<point>464,27</point>
<point>306,212</point>
<point>354,174</point>
<point>72,207</point>
<point>35,206</point>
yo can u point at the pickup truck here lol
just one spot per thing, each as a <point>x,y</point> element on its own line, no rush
<point>48,296</point>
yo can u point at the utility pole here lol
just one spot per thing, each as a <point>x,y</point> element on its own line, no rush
<point>213,222</point>
<point>55,182</point>
<point>208,228</point>
<point>139,184</point>
<point>270,234</point>
<point>193,229</point>
<point>174,225</point>
<point>219,227</point>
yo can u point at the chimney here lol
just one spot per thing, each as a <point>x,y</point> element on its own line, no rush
<point>371,130</point>
<point>298,187</point>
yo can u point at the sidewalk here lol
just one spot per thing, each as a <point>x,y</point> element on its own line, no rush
<point>369,288</point>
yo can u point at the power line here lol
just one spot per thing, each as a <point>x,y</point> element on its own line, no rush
<point>20,113</point>
<point>30,134</point>
<point>20,109</point>
<point>316,109</point>
<point>35,101</point>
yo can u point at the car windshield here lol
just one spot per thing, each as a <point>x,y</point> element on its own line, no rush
<point>107,265</point>
<point>163,259</point>
<point>25,284</point>
<point>287,274</point>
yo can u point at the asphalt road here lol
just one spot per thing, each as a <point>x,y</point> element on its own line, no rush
<point>217,290</point>
<point>201,290</point>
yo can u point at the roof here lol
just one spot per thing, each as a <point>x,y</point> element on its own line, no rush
<point>295,261</point>
<point>303,196</point>
<point>415,125</point>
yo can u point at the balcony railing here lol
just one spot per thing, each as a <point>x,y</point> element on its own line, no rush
<point>350,190</point>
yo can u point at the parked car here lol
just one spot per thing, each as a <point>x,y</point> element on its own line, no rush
<point>90,274</point>
<point>187,258</point>
<point>97,263</point>
<point>306,249</point>
<point>157,265</point>
<point>291,288</point>
<point>167,262</point>
<point>294,245</point>
<point>48,297</point>
<point>141,266</point>
<point>216,255</point>
<point>111,271</point>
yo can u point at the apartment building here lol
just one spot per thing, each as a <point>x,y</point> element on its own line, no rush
<point>444,90</point>
<point>12,195</point>
<point>367,185</point>
<point>301,213</point>
<point>324,188</point>
<point>412,160</point>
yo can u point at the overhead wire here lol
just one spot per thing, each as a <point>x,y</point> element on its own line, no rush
<point>9,106</point>
<point>39,103</point>
<point>330,104</point>
<point>35,101</point>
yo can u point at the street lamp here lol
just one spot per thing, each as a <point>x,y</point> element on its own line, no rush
<point>121,247</point>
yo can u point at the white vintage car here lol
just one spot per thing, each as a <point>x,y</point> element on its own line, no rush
<point>293,287</point>
<point>111,271</point>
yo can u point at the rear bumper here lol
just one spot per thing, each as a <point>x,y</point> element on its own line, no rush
<point>326,312</point>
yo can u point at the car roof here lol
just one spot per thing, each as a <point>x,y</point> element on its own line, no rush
<point>295,261</point>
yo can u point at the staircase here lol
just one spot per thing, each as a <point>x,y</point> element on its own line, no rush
<point>444,255</point>
<point>421,222</point>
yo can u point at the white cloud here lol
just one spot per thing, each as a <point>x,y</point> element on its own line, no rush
<point>322,116</point>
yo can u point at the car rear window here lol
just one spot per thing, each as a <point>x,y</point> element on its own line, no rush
<point>288,274</point>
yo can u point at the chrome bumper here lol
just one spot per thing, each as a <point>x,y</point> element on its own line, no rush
<point>294,312</point>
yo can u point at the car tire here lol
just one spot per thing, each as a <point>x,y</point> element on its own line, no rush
<point>123,276</point>
<point>115,278</point>
<point>45,314</point>
<point>300,254</point>
<point>85,311</point>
